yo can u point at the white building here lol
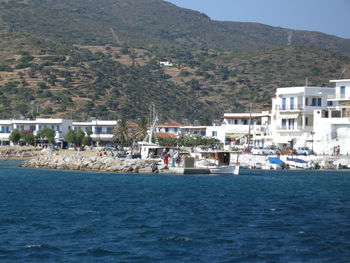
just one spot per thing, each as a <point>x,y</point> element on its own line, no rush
<point>292,122</point>
<point>332,125</point>
<point>6,128</point>
<point>102,131</point>
<point>244,128</point>
<point>173,128</point>
<point>166,64</point>
<point>60,126</point>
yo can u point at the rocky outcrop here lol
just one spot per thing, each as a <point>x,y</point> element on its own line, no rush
<point>19,152</point>
<point>97,163</point>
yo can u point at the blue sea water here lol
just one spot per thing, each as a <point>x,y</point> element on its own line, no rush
<point>260,216</point>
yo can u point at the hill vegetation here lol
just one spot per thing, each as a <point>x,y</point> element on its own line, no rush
<point>79,59</point>
<point>148,23</point>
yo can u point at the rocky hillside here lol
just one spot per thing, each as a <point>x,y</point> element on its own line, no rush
<point>79,59</point>
<point>147,23</point>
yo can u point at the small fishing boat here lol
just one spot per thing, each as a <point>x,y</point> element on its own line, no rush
<point>225,169</point>
<point>218,162</point>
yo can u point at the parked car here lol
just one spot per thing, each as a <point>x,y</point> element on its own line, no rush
<point>271,150</point>
<point>257,150</point>
<point>303,151</point>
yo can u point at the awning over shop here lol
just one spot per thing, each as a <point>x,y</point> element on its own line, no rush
<point>234,136</point>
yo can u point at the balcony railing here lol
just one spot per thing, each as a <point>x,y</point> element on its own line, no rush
<point>290,107</point>
<point>289,128</point>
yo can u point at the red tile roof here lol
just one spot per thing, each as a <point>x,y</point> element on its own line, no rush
<point>165,135</point>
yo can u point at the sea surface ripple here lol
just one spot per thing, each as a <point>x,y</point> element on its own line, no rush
<point>260,216</point>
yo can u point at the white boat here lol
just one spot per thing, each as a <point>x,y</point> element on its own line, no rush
<point>233,170</point>
<point>218,162</point>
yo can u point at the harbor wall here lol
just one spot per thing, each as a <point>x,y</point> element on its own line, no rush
<point>96,163</point>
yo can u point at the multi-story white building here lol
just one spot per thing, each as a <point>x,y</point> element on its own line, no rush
<point>102,131</point>
<point>236,128</point>
<point>292,115</point>
<point>6,128</point>
<point>332,125</point>
<point>60,126</point>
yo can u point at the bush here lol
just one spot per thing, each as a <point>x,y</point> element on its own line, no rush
<point>6,68</point>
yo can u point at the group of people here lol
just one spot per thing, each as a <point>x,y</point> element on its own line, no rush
<point>107,153</point>
<point>173,156</point>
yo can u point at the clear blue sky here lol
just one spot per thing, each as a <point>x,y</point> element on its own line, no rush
<point>327,16</point>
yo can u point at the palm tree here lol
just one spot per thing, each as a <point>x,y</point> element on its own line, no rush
<point>122,134</point>
<point>140,132</point>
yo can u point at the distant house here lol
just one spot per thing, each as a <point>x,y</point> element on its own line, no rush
<point>166,64</point>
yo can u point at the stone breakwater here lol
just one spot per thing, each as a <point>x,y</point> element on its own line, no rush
<point>18,152</point>
<point>78,162</point>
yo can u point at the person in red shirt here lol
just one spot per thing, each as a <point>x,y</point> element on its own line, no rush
<point>166,159</point>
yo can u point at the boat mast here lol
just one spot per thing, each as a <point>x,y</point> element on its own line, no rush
<point>250,122</point>
<point>154,119</point>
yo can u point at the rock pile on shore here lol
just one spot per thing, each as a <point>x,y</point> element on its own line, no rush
<point>19,152</point>
<point>97,163</point>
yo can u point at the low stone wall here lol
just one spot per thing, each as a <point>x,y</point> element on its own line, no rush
<point>19,152</point>
<point>78,162</point>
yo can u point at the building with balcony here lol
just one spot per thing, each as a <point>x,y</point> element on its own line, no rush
<point>292,114</point>
<point>238,129</point>
<point>60,126</point>
<point>332,124</point>
<point>102,131</point>
<point>173,128</point>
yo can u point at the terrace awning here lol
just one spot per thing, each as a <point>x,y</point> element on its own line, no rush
<point>235,136</point>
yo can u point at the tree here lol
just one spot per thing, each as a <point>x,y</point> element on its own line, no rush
<point>122,134</point>
<point>28,138</point>
<point>70,137</point>
<point>47,134</point>
<point>87,140</point>
<point>141,131</point>
<point>76,138</point>
<point>79,137</point>
<point>15,136</point>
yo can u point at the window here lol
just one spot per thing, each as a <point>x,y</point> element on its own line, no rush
<point>291,123</point>
<point>329,103</point>
<point>319,101</point>
<point>292,103</point>
<point>109,130</point>
<point>236,122</point>
<point>306,101</point>
<point>306,121</point>
<point>214,134</point>
<point>313,102</point>
<point>284,103</point>
<point>284,123</point>
<point>342,92</point>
